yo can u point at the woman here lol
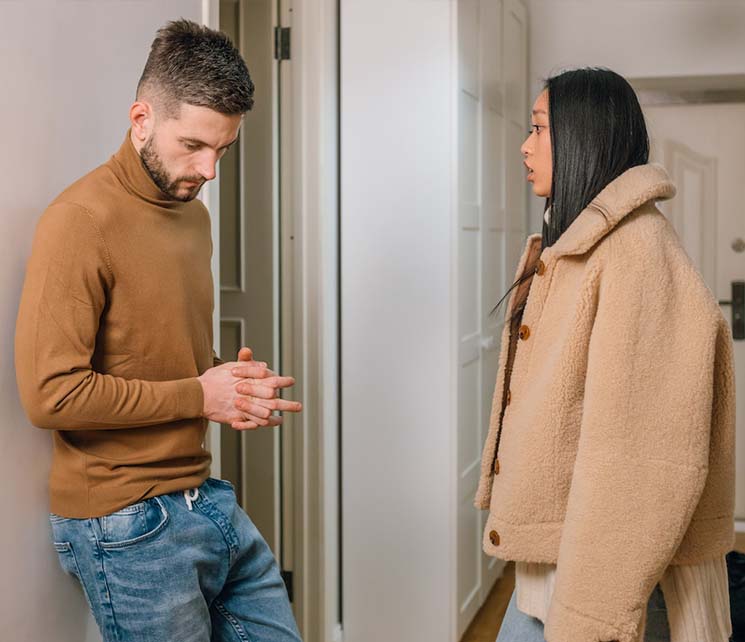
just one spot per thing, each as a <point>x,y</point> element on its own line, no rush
<point>608,469</point>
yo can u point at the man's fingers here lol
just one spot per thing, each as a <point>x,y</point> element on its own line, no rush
<point>248,406</point>
<point>285,405</point>
<point>250,425</point>
<point>243,370</point>
<point>270,382</point>
<point>256,390</point>
<point>253,370</point>
<point>244,425</point>
<point>245,354</point>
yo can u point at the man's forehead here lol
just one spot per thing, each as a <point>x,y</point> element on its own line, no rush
<point>204,125</point>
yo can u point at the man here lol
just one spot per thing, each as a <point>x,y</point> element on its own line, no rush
<point>113,354</point>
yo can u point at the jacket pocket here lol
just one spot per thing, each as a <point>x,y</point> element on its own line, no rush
<point>133,524</point>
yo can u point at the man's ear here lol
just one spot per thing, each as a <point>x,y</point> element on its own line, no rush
<point>142,120</point>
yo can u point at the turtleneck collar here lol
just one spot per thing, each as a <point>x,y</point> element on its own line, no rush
<point>128,167</point>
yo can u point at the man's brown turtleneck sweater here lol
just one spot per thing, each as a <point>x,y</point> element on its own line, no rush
<point>114,326</point>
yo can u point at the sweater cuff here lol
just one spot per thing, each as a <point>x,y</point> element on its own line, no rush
<point>565,624</point>
<point>190,398</point>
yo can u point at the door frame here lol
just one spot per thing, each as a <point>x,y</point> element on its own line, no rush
<point>309,212</point>
<point>211,198</point>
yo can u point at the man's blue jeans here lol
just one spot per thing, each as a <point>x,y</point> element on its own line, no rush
<point>519,627</point>
<point>181,567</point>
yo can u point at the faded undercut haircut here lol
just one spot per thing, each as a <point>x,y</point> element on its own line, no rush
<point>189,63</point>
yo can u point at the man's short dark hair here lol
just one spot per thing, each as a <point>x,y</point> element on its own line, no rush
<point>189,63</point>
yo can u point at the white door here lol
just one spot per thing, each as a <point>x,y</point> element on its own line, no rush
<point>249,276</point>
<point>701,146</point>
<point>492,212</point>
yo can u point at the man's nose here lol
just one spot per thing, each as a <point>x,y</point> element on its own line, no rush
<point>207,167</point>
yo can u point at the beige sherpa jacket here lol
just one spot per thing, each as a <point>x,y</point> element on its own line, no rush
<point>616,456</point>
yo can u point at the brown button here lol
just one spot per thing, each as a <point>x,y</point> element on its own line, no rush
<point>495,467</point>
<point>509,397</point>
<point>540,268</point>
<point>524,332</point>
<point>494,538</point>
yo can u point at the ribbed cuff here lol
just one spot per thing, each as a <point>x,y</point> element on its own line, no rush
<point>190,398</point>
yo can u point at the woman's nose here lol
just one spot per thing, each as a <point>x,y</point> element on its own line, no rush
<point>524,148</point>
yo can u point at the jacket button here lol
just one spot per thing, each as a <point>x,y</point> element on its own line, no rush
<point>495,468</point>
<point>494,538</point>
<point>540,268</point>
<point>509,397</point>
<point>524,332</point>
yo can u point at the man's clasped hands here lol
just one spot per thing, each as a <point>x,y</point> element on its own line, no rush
<point>245,393</point>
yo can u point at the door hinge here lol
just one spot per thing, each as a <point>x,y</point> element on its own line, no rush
<point>287,577</point>
<point>281,43</point>
<point>738,310</point>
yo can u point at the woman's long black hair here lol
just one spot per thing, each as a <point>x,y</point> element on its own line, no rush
<point>597,133</point>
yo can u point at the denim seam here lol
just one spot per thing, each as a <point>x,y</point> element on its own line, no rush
<point>222,521</point>
<point>66,547</point>
<point>108,604</point>
<point>232,620</point>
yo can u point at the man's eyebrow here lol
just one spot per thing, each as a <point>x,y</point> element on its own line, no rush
<point>196,141</point>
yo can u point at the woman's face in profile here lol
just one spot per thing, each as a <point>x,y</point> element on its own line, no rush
<point>537,148</point>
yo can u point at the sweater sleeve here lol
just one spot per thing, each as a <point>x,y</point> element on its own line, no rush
<point>64,294</point>
<point>643,448</point>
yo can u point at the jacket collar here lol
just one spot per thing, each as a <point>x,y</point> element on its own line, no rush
<point>615,201</point>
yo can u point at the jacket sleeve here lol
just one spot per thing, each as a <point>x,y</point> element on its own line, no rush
<point>643,448</point>
<point>64,294</point>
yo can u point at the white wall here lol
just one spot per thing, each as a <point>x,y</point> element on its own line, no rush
<point>636,38</point>
<point>68,75</point>
<point>397,393</point>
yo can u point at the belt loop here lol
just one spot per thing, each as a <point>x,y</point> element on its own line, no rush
<point>189,497</point>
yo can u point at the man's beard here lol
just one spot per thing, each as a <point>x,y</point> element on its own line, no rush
<point>152,162</point>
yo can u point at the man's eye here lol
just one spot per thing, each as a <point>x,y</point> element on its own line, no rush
<point>191,147</point>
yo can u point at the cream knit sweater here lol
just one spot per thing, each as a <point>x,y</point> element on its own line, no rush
<point>696,598</point>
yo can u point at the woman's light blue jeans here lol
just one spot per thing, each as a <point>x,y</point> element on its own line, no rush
<point>183,567</point>
<point>519,627</point>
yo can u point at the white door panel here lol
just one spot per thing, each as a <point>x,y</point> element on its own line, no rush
<point>249,278</point>
<point>491,120</point>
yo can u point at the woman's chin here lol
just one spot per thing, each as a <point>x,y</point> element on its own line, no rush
<point>540,191</point>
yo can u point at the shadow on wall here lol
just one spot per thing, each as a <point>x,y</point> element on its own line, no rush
<point>31,574</point>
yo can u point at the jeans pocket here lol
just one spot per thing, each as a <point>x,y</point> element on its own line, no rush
<point>67,558</point>
<point>133,524</point>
